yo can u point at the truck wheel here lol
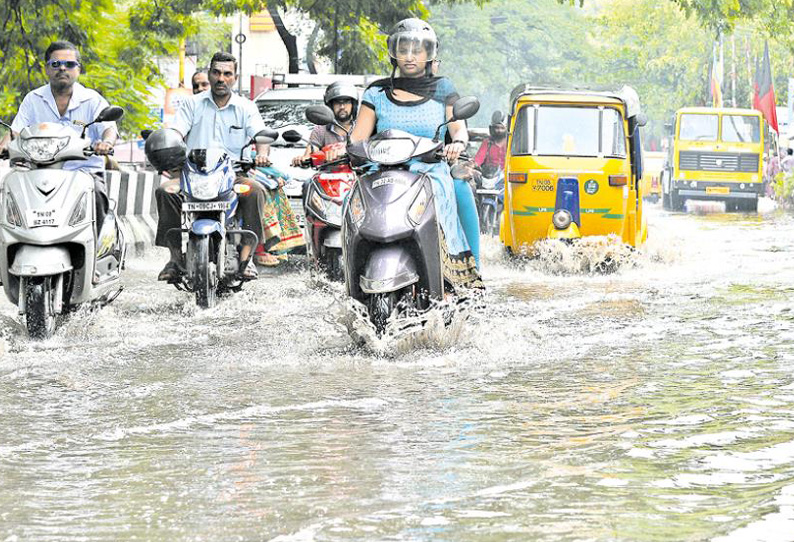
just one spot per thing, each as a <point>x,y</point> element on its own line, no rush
<point>676,201</point>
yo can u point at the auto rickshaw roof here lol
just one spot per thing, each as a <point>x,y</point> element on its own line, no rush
<point>626,96</point>
<point>718,110</point>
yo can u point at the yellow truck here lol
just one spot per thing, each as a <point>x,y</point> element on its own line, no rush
<point>716,154</point>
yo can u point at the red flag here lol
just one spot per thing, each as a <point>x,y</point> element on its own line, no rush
<point>764,91</point>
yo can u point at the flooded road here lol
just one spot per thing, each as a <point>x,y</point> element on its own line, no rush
<point>656,403</point>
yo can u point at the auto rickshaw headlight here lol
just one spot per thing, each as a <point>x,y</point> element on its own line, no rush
<point>561,219</point>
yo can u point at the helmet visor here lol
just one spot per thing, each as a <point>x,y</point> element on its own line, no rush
<point>412,46</point>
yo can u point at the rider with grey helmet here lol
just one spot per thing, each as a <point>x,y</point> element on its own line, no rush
<point>342,98</point>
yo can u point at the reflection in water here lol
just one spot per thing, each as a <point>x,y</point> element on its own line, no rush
<point>652,403</point>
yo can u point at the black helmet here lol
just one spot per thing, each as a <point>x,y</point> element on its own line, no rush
<point>497,119</point>
<point>341,90</point>
<point>409,34</point>
<point>165,149</point>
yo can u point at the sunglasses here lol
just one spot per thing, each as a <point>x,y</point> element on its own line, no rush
<point>68,64</point>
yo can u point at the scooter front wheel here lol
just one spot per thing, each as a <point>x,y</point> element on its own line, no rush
<point>40,319</point>
<point>205,282</point>
<point>380,308</point>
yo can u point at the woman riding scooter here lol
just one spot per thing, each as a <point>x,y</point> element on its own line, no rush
<point>418,102</point>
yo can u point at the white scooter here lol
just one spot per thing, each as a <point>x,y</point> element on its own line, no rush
<point>51,258</point>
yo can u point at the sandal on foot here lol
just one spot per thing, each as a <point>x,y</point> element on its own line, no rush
<point>170,272</point>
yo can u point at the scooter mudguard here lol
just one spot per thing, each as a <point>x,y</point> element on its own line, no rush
<point>388,269</point>
<point>571,232</point>
<point>205,226</point>
<point>333,239</point>
<point>40,261</point>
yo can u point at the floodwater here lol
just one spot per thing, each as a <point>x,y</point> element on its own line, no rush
<point>654,403</point>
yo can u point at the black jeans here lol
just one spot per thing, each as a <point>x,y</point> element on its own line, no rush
<point>250,208</point>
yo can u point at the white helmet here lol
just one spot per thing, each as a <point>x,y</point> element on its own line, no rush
<point>409,36</point>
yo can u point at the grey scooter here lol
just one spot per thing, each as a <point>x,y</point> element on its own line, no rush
<point>390,235</point>
<point>51,258</point>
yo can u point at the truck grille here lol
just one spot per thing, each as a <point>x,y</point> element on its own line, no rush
<point>705,161</point>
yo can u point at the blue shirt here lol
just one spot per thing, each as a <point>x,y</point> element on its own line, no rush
<point>84,106</point>
<point>420,118</point>
<point>204,125</point>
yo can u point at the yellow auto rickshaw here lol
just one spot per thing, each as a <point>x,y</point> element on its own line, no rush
<point>651,185</point>
<point>574,164</point>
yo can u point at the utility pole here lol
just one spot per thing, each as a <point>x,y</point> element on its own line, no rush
<point>733,70</point>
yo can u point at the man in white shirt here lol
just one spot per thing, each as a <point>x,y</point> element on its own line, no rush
<point>217,118</point>
<point>65,101</point>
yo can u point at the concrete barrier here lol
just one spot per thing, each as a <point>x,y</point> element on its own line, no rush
<point>133,194</point>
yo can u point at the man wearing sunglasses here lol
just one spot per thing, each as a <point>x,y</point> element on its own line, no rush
<point>65,101</point>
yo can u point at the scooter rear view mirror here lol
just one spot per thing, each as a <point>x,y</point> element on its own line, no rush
<point>10,131</point>
<point>465,108</point>
<point>320,115</point>
<point>110,114</point>
<point>292,136</point>
<point>146,133</point>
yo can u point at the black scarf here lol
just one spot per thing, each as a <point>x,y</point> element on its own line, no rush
<point>426,87</point>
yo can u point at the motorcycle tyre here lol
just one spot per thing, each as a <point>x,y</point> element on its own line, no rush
<point>205,284</point>
<point>39,319</point>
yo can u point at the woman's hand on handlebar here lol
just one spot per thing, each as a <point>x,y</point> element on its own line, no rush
<point>453,150</point>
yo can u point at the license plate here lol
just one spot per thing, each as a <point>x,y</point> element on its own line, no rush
<point>718,190</point>
<point>40,217</point>
<point>297,209</point>
<point>199,206</point>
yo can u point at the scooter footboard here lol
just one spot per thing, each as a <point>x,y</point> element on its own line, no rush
<point>388,269</point>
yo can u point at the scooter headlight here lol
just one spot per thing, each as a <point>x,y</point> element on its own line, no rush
<point>80,211</point>
<point>417,208</point>
<point>561,219</point>
<point>356,207</point>
<point>390,151</point>
<point>13,216</point>
<point>43,149</point>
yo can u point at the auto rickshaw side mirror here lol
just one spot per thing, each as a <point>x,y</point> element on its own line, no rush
<point>641,119</point>
<point>668,127</point>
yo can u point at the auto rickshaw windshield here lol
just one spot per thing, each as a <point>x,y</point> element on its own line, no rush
<point>569,131</point>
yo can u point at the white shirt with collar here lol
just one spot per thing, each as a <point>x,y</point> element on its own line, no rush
<point>204,125</point>
<point>84,106</point>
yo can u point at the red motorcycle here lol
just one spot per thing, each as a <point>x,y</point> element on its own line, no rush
<point>323,203</point>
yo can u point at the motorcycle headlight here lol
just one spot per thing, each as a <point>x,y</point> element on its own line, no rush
<point>390,151</point>
<point>417,208</point>
<point>79,212</point>
<point>205,186</point>
<point>13,216</point>
<point>356,208</point>
<point>43,149</point>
